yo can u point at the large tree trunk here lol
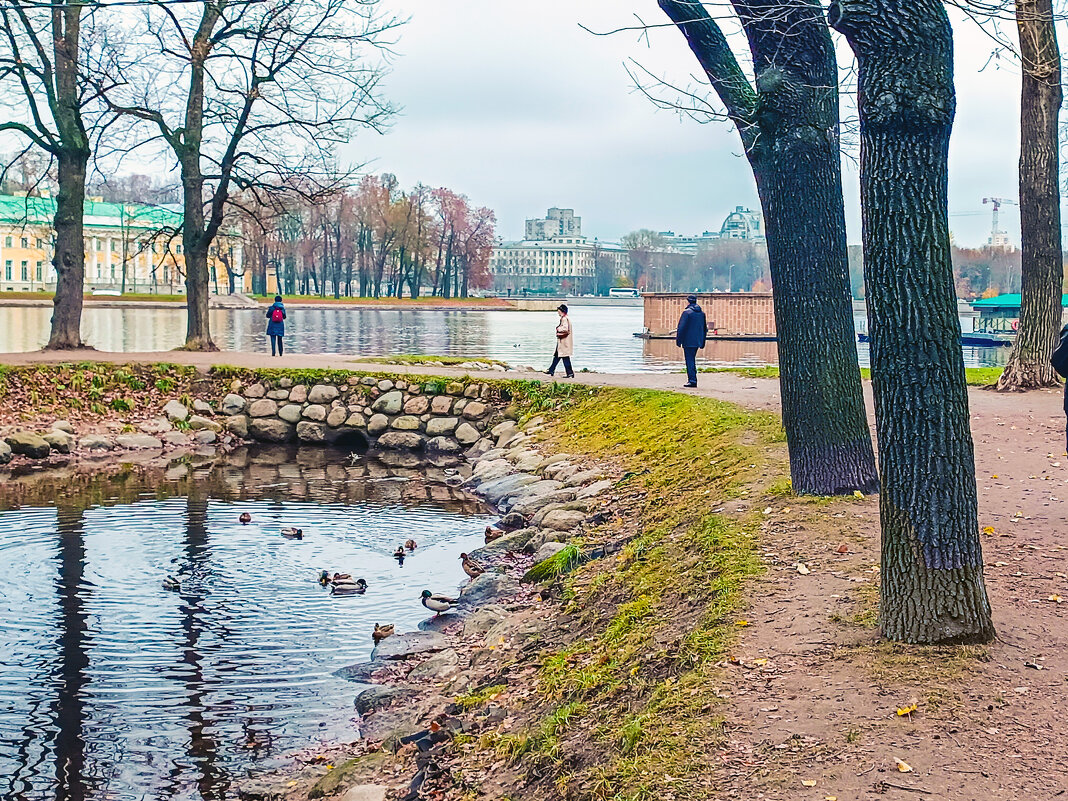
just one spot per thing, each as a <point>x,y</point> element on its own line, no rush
<point>1041,267</point>
<point>69,256</point>
<point>932,563</point>
<point>788,123</point>
<point>195,247</point>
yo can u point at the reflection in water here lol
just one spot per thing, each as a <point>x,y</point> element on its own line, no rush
<point>603,335</point>
<point>113,688</point>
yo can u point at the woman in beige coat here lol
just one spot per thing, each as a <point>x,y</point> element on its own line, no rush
<point>565,344</point>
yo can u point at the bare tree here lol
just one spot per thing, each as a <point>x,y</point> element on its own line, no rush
<point>932,561</point>
<point>1042,268</point>
<point>271,89</point>
<point>40,64</point>
<point>787,118</point>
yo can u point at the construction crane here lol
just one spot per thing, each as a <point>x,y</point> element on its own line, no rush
<point>998,238</point>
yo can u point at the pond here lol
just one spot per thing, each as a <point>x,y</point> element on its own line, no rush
<point>112,687</point>
<point>604,335</point>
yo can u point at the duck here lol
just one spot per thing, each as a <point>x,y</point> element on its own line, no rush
<point>291,533</point>
<point>324,577</point>
<point>437,603</point>
<point>349,587</point>
<point>410,545</point>
<point>381,632</point>
<point>471,567</point>
<point>400,553</point>
<point>493,533</point>
<point>245,518</point>
<point>171,583</point>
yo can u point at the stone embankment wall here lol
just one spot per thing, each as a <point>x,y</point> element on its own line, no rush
<point>434,416</point>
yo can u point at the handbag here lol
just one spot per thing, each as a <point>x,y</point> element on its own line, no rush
<point>562,333</point>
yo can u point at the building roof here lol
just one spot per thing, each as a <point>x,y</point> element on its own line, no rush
<point>1010,301</point>
<point>16,210</point>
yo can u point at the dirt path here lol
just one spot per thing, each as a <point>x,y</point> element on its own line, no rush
<point>812,694</point>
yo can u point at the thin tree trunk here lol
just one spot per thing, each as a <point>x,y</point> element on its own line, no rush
<point>69,256</point>
<point>932,562</point>
<point>1041,265</point>
<point>788,123</point>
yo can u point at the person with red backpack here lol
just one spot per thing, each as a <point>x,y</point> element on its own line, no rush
<point>276,326</point>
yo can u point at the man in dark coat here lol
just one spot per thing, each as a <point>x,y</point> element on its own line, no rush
<point>1060,362</point>
<point>691,336</point>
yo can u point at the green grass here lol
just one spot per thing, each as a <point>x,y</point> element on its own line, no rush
<point>653,624</point>
<point>564,561</point>
<point>418,358</point>
<point>975,376</point>
<point>479,697</point>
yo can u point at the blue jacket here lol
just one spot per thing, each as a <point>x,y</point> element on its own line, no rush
<point>693,328</point>
<point>276,329</point>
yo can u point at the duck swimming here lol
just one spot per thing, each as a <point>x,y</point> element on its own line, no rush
<point>171,583</point>
<point>437,603</point>
<point>410,545</point>
<point>471,567</point>
<point>400,553</point>
<point>245,518</point>
<point>381,632</point>
<point>347,586</point>
<point>293,533</point>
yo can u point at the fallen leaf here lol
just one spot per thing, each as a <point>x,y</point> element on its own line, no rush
<point>906,710</point>
<point>904,767</point>
<point>1055,598</point>
<point>830,798</point>
<point>994,476</point>
<point>742,623</point>
<point>767,510</point>
<point>808,782</point>
<point>843,548</point>
<point>988,529</point>
<point>802,568</point>
<point>858,494</point>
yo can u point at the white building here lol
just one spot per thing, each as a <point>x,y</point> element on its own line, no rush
<point>743,223</point>
<point>561,264</point>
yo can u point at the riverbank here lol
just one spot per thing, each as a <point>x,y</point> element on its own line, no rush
<point>691,657</point>
<point>152,301</point>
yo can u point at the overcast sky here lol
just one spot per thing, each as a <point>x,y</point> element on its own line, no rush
<point>518,107</point>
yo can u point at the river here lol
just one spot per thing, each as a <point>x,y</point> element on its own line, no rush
<point>604,340</point>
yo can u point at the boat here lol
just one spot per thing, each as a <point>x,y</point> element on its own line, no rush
<point>974,338</point>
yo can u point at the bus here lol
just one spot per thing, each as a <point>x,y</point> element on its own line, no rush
<point>623,292</point>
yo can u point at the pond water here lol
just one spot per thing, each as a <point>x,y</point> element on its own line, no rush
<point>604,335</point>
<point>112,687</point>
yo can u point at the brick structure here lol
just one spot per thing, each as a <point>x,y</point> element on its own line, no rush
<point>734,313</point>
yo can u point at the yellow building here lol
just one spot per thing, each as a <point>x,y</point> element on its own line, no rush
<point>129,247</point>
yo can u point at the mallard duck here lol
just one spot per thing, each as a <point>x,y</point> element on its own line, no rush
<point>171,583</point>
<point>347,586</point>
<point>293,533</point>
<point>437,603</point>
<point>245,518</point>
<point>493,533</point>
<point>324,577</point>
<point>410,545</point>
<point>471,567</point>
<point>381,632</point>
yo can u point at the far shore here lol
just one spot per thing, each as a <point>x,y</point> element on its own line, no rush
<point>147,301</point>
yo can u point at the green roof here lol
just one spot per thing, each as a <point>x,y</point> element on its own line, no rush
<point>1010,301</point>
<point>15,210</point>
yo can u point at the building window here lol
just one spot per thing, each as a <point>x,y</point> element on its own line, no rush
<point>7,266</point>
<point>25,271</point>
<point>40,271</point>
<point>114,246</point>
<point>177,248</point>
<point>112,271</point>
<point>25,242</point>
<point>99,244</point>
<point>7,241</point>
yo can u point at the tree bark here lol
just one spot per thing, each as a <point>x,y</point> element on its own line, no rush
<point>932,563</point>
<point>788,123</point>
<point>69,256</point>
<point>72,155</point>
<point>194,244</point>
<point>1041,267</point>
